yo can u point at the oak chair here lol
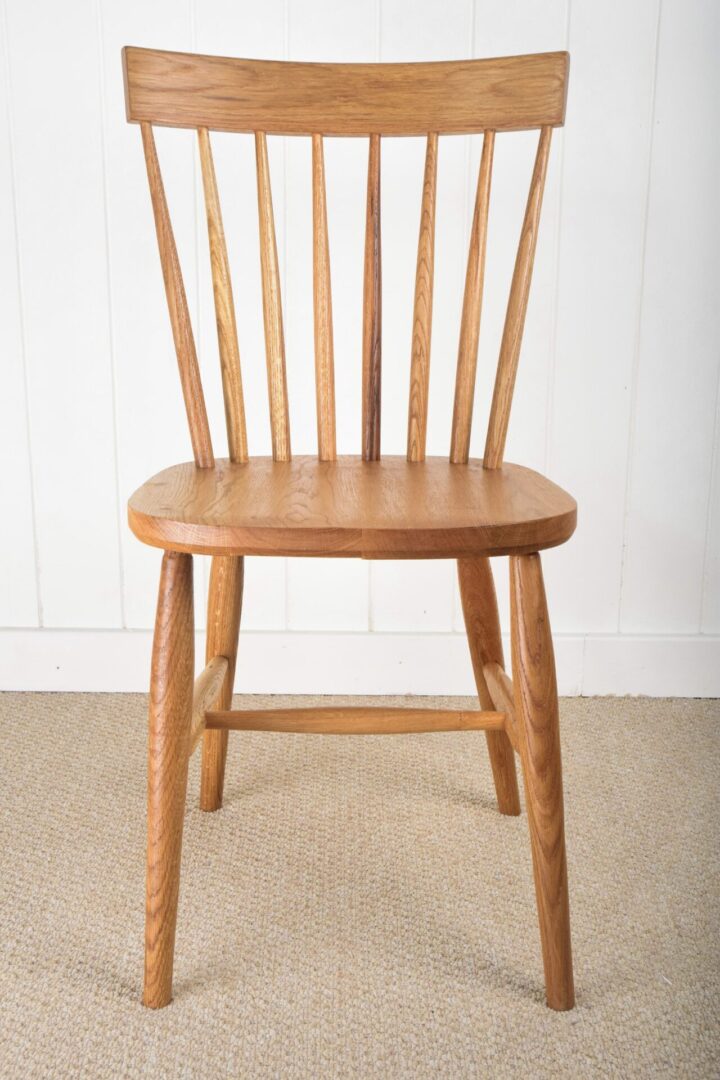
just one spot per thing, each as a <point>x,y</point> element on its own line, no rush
<point>352,507</point>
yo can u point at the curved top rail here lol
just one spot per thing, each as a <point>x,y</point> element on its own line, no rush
<point>287,98</point>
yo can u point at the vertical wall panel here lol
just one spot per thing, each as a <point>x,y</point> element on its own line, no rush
<point>710,610</point>
<point>418,595</point>
<point>679,332</point>
<point>226,28</point>
<point>412,595</point>
<point>604,194</point>
<point>320,595</point>
<point>58,159</point>
<point>18,595</point>
<point>327,594</point>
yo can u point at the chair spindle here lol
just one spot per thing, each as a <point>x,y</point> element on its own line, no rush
<point>372,311</point>
<point>422,311</point>
<point>516,310</point>
<point>322,303</point>
<point>224,307</point>
<point>471,309</point>
<point>272,308</point>
<point>178,308</point>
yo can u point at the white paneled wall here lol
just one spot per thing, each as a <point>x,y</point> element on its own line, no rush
<point>617,397</point>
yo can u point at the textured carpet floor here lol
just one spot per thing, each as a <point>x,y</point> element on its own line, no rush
<point>359,908</point>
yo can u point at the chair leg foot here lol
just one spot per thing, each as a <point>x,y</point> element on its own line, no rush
<point>479,603</point>
<point>223,627</point>
<point>170,713</point>
<point>536,709</point>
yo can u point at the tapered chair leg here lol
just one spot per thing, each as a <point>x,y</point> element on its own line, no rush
<point>479,603</point>
<point>223,627</point>
<point>171,692</point>
<point>536,709</point>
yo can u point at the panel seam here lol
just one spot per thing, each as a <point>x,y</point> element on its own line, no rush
<point>21,312</point>
<point>635,373</point>
<point>111,315</point>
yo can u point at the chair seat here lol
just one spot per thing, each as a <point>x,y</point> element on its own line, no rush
<point>375,510</point>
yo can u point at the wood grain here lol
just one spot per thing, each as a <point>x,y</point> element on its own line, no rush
<point>207,688</point>
<point>272,308</point>
<point>387,509</point>
<point>502,94</point>
<point>322,309</point>
<point>471,309</point>
<point>224,308</point>
<point>422,310</point>
<point>171,691</point>
<point>355,720</point>
<point>516,310</point>
<point>482,624</point>
<point>536,709</point>
<point>502,695</point>
<point>372,311</point>
<point>178,308</point>
<point>223,626</point>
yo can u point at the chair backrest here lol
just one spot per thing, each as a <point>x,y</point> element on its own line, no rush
<point>371,100</point>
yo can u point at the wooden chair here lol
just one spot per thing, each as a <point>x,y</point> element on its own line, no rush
<point>354,507</point>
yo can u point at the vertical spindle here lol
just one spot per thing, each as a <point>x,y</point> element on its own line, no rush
<point>272,308</point>
<point>422,310</point>
<point>372,311</point>
<point>322,305</point>
<point>472,307</point>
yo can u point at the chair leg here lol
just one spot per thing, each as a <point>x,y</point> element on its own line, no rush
<point>477,592</point>
<point>536,708</point>
<point>223,627</point>
<point>171,691</point>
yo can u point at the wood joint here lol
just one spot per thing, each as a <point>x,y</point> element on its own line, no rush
<point>501,691</point>
<point>206,691</point>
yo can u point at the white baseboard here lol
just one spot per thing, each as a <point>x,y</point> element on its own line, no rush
<point>361,663</point>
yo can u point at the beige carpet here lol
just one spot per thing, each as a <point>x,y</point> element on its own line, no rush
<point>359,908</point>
